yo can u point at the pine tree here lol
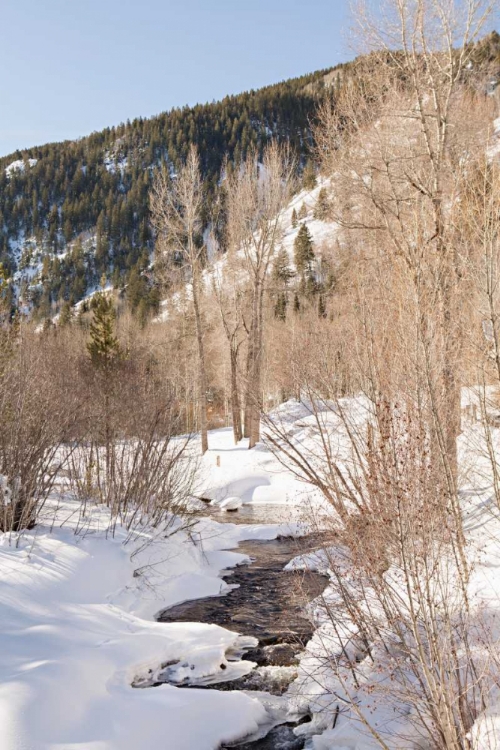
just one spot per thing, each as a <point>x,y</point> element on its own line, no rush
<point>303,252</point>
<point>309,176</point>
<point>296,303</point>
<point>280,307</point>
<point>103,346</point>
<point>303,211</point>
<point>282,273</point>
<point>294,218</point>
<point>321,209</point>
<point>5,294</point>
<point>66,315</point>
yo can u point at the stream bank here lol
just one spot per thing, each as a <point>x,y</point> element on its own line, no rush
<point>268,604</point>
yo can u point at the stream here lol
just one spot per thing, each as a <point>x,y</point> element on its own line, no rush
<point>267,603</point>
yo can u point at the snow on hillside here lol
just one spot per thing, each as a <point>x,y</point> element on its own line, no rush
<point>115,164</point>
<point>321,232</point>
<point>19,166</point>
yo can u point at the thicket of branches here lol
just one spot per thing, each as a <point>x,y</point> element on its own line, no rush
<point>88,408</point>
<point>378,330</point>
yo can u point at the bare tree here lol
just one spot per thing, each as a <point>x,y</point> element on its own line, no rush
<point>39,413</point>
<point>257,195</point>
<point>176,206</point>
<point>393,142</point>
<point>229,296</point>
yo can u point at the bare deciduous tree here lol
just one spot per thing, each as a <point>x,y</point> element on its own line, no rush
<point>393,141</point>
<point>229,296</point>
<point>176,206</point>
<point>257,195</point>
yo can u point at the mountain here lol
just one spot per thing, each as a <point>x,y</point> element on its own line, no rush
<point>73,211</point>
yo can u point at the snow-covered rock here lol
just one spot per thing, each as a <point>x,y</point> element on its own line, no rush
<point>231,503</point>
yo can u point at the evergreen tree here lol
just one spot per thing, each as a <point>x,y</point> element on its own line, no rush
<point>5,297</point>
<point>321,307</point>
<point>280,307</point>
<point>296,303</point>
<point>303,211</point>
<point>303,252</point>
<point>309,176</point>
<point>282,273</point>
<point>66,315</point>
<point>294,218</point>
<point>103,345</point>
<point>321,209</point>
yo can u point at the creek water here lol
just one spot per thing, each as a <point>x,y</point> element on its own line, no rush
<point>267,603</point>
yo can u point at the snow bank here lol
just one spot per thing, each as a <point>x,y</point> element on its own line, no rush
<point>231,503</point>
<point>255,477</point>
<point>77,632</point>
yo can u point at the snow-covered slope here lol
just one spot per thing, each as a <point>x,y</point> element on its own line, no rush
<point>322,232</point>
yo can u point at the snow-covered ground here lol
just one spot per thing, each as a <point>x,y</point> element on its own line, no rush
<point>78,628</point>
<point>78,623</point>
<point>77,613</point>
<point>256,476</point>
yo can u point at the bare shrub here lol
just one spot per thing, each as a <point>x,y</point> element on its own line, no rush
<point>132,456</point>
<point>38,413</point>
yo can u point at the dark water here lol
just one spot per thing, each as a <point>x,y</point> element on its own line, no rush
<point>279,738</point>
<point>268,604</point>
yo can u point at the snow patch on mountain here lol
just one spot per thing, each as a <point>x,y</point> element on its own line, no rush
<point>19,166</point>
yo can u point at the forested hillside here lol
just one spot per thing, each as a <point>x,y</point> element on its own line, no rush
<point>74,211</point>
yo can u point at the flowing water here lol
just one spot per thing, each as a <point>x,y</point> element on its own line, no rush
<point>268,604</point>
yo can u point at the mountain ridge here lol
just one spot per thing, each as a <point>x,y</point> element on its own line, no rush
<point>75,211</point>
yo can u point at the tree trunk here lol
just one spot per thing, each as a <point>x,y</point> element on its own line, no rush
<point>256,373</point>
<point>202,377</point>
<point>235,398</point>
<point>249,383</point>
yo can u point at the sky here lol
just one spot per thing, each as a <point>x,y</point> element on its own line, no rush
<point>70,67</point>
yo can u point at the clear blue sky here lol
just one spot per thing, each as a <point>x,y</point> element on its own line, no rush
<point>68,67</point>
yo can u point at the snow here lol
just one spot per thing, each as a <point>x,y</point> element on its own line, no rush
<point>78,628</point>
<point>231,503</point>
<point>255,477</point>
<point>114,163</point>
<point>80,640</point>
<point>19,166</point>
<point>322,232</point>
